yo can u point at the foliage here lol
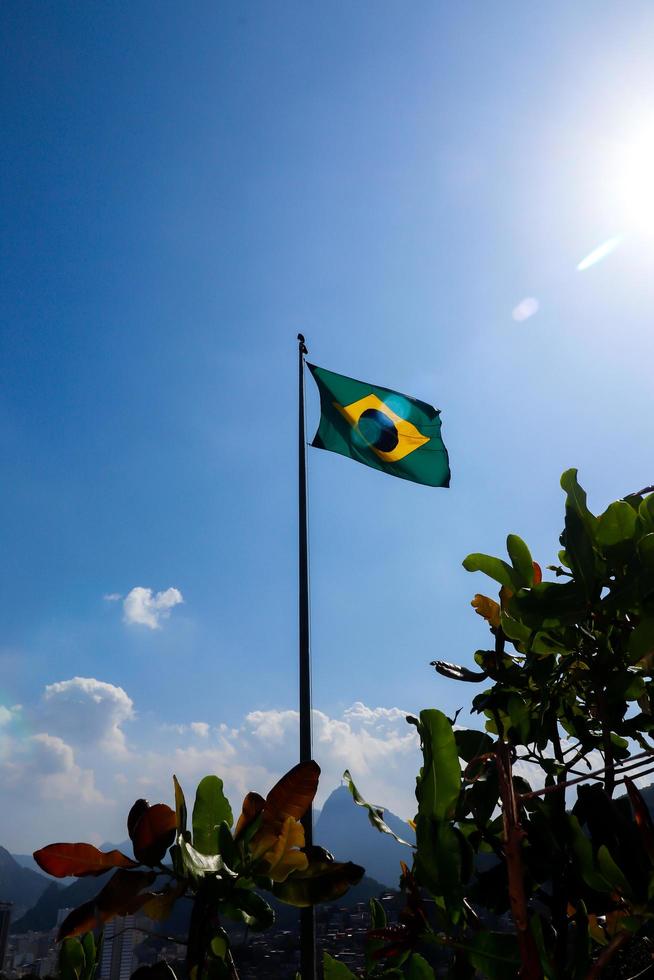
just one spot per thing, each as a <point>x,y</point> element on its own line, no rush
<point>505,880</point>
<point>222,868</point>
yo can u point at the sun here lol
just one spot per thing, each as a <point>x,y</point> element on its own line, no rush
<point>631,178</point>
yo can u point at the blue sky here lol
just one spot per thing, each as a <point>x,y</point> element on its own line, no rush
<point>184,188</point>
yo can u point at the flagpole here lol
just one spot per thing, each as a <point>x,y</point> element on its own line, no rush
<point>307,915</point>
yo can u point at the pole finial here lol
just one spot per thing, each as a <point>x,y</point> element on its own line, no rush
<point>303,348</point>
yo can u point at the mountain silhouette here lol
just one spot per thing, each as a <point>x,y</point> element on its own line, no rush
<point>20,886</point>
<point>345,830</point>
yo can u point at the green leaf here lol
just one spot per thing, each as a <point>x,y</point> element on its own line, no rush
<point>438,858</point>
<point>641,641</point>
<point>211,806</point>
<point>418,969</point>
<point>495,568</point>
<point>377,914</point>
<point>612,872</point>
<point>219,946</point>
<point>646,514</point>
<point>333,970</point>
<point>198,864</point>
<point>226,845</point>
<point>90,955</point>
<point>72,960</point>
<point>523,563</point>
<point>576,499</point>
<point>494,954</point>
<point>256,913</point>
<point>579,547</point>
<point>616,525</point>
<point>439,783</point>
<point>375,813</point>
<point>550,604</point>
<point>583,851</point>
<point>180,807</point>
<point>470,743</point>
<point>646,551</point>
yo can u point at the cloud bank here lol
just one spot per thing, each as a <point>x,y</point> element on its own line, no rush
<point>87,757</point>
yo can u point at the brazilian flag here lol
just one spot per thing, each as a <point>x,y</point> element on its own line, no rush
<point>381,428</point>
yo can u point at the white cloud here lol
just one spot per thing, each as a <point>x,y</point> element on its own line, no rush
<point>8,715</point>
<point>59,776</point>
<point>200,728</point>
<point>87,711</point>
<point>112,597</point>
<point>141,606</point>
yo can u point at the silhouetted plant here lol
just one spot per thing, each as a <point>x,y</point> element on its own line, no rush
<point>221,868</point>
<point>504,877</point>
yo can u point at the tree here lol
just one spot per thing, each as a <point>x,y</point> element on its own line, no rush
<point>568,694</point>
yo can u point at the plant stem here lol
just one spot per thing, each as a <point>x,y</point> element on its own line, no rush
<point>619,940</point>
<point>513,834</point>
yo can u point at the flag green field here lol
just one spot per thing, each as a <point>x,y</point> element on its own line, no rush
<point>381,428</point>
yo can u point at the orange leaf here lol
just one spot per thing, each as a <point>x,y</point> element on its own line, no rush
<point>487,608</point>
<point>81,919</point>
<point>80,860</point>
<point>153,833</point>
<point>538,573</point>
<point>293,794</point>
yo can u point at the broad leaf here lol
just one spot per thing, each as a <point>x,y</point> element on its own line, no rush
<point>210,808</point>
<point>122,895</point>
<point>470,743</point>
<point>494,954</point>
<point>616,525</point>
<point>375,813</point>
<point>153,833</point>
<point>487,608</point>
<point>79,860</point>
<point>72,960</point>
<point>577,500</point>
<point>439,784</point>
<point>199,864</point>
<point>333,970</point>
<point>418,968</point>
<point>181,812</point>
<point>323,881</point>
<point>523,563</point>
<point>646,551</point>
<point>495,568</point>
<point>255,911</point>
<point>642,816</point>
<point>82,919</point>
<point>293,794</point>
<point>253,805</point>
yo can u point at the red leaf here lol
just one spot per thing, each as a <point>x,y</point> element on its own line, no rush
<point>80,860</point>
<point>253,804</point>
<point>135,814</point>
<point>538,573</point>
<point>153,833</point>
<point>643,818</point>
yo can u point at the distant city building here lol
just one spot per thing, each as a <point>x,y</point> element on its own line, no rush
<point>5,918</point>
<point>118,942</point>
